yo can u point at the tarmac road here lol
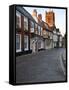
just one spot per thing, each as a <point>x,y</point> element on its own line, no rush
<point>43,66</point>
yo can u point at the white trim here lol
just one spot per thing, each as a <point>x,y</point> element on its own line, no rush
<point>19,50</point>
<point>32,26</point>
<point>18,14</point>
<point>25,25</point>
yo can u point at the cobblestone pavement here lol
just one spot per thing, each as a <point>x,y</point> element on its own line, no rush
<point>43,66</point>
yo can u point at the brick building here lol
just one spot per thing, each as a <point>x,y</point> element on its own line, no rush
<point>28,33</point>
<point>46,30</point>
<point>32,33</point>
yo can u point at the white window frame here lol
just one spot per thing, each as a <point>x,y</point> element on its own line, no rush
<point>25,20</point>
<point>20,43</point>
<point>18,15</point>
<point>32,28</point>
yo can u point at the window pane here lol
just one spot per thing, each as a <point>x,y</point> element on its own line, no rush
<point>32,26</point>
<point>18,20</point>
<point>25,23</point>
<point>18,42</point>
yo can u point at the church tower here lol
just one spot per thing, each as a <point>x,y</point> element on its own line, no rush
<point>50,18</point>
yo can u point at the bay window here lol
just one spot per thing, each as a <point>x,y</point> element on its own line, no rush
<point>31,26</point>
<point>25,42</point>
<point>25,23</point>
<point>18,20</point>
<point>18,42</point>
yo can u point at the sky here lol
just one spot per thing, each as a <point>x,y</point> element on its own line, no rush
<point>60,17</point>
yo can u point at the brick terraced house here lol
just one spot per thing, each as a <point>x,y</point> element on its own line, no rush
<point>46,30</point>
<point>33,34</point>
<point>28,33</point>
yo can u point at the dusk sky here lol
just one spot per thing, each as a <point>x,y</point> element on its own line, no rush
<point>60,16</point>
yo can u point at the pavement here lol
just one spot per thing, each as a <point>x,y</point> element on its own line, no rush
<point>44,66</point>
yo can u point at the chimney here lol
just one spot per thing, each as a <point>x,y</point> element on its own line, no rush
<point>39,17</point>
<point>34,13</point>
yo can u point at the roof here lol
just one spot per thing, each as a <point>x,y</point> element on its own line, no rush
<point>24,12</point>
